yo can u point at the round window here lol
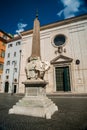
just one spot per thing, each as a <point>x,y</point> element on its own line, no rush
<point>59,40</point>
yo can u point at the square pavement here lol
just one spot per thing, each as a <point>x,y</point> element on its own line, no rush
<point>72,114</point>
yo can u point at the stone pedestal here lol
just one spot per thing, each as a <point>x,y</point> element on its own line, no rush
<point>35,102</point>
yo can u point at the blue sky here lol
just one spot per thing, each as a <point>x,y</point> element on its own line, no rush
<point>18,15</point>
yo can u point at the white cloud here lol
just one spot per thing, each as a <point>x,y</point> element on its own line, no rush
<point>21,27</point>
<point>70,8</point>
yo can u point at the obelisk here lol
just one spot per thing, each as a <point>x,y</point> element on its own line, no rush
<point>35,102</point>
<point>36,39</point>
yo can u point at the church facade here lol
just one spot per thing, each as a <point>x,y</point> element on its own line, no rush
<point>64,45</point>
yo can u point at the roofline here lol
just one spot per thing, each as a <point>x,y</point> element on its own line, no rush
<point>48,26</point>
<point>14,39</point>
<point>3,40</point>
<point>5,33</point>
<point>58,23</point>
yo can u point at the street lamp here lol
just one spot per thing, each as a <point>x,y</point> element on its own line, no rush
<point>14,64</point>
<point>19,69</point>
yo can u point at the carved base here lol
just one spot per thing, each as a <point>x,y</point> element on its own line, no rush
<point>35,87</point>
<point>35,103</point>
<point>34,106</point>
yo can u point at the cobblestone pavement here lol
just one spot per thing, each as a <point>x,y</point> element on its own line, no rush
<point>72,115</point>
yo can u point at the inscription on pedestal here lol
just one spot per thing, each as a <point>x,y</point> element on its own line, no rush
<point>35,91</point>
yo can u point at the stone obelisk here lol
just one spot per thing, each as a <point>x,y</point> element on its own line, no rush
<point>36,39</point>
<point>35,102</point>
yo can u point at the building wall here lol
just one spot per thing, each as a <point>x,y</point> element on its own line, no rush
<point>12,66</point>
<point>74,50</point>
<point>3,37</point>
<point>78,43</point>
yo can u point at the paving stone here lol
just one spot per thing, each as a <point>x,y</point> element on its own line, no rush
<point>72,115</point>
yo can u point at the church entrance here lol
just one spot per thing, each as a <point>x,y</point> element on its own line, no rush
<point>62,79</point>
<point>6,87</point>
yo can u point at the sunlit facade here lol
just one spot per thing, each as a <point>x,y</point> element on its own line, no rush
<point>3,40</point>
<point>64,45</point>
<point>12,66</point>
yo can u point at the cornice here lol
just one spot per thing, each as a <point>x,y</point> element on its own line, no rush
<point>56,24</point>
<point>52,25</point>
<point>64,59</point>
<point>5,33</point>
<point>3,40</point>
<point>13,39</point>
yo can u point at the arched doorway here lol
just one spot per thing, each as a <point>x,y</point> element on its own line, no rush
<point>6,87</point>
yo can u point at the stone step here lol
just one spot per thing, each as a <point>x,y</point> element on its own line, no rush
<point>39,107</point>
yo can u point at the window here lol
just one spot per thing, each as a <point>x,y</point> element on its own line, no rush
<point>7,77</point>
<point>14,63</point>
<point>3,54</point>
<point>8,62</point>
<point>18,43</point>
<point>10,45</point>
<point>15,69</point>
<point>1,66</point>
<point>7,71</point>
<point>4,36</point>
<point>8,55</point>
<point>15,80</point>
<point>14,54</point>
<point>59,40</point>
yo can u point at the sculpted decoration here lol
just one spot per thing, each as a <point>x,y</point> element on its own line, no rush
<point>35,69</point>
